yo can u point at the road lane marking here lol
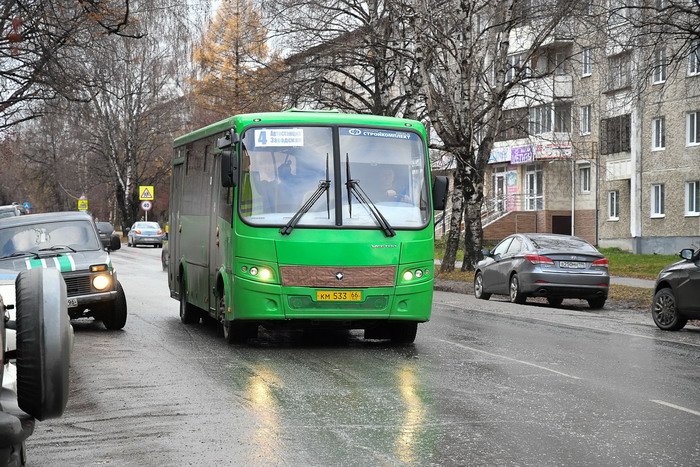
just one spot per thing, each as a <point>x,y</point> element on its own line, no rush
<point>571,325</point>
<point>509,358</point>
<point>677,407</point>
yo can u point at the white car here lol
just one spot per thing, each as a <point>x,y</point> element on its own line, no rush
<point>36,339</point>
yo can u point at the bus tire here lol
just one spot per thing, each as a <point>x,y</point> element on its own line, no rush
<point>44,339</point>
<point>188,312</point>
<point>404,332</point>
<point>114,314</point>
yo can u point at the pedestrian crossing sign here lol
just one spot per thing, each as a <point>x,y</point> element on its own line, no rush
<point>146,193</point>
<point>82,204</point>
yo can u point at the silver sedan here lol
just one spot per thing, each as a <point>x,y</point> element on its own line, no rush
<point>543,265</point>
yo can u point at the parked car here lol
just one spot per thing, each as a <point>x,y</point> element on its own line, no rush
<point>34,356</point>
<point>106,232</point>
<point>67,241</point>
<point>543,265</point>
<point>677,292</point>
<point>145,233</point>
<point>10,210</point>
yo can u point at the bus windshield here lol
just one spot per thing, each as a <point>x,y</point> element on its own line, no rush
<point>282,168</point>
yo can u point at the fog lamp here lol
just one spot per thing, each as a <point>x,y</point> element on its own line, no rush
<point>101,282</point>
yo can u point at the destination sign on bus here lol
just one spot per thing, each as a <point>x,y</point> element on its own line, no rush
<point>278,137</point>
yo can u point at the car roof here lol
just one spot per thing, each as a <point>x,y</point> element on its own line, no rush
<point>44,217</point>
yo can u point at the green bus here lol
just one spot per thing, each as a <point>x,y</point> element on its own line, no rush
<point>304,219</point>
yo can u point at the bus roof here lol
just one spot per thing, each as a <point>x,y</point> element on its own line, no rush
<point>296,116</point>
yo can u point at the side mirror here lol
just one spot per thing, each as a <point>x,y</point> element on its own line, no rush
<point>486,252</point>
<point>440,187</point>
<point>229,168</point>
<point>686,253</point>
<point>115,243</point>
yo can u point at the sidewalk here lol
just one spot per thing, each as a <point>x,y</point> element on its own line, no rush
<point>617,280</point>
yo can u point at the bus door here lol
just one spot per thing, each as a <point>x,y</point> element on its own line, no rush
<point>215,246</point>
<point>176,191</point>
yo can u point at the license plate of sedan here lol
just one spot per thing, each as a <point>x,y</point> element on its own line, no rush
<point>572,264</point>
<point>338,296</point>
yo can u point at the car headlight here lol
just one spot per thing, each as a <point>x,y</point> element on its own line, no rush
<point>101,281</point>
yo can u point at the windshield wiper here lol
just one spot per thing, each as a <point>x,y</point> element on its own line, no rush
<point>19,253</point>
<point>323,186</point>
<point>354,188</point>
<point>58,247</point>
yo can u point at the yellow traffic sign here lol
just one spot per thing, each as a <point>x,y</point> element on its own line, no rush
<point>146,193</point>
<point>82,204</point>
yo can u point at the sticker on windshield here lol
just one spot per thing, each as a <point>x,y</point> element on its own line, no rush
<point>376,133</point>
<point>276,137</point>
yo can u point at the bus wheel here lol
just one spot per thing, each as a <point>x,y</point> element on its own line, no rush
<point>188,312</point>
<point>404,332</point>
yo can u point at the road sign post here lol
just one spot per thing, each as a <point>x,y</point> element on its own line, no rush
<point>146,206</point>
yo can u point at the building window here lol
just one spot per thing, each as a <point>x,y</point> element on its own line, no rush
<point>618,11</point>
<point>613,205</point>
<point>562,118</point>
<point>658,134</point>
<point>540,120</point>
<point>534,198</point>
<point>660,68</point>
<point>584,174</point>
<point>587,63</point>
<point>585,119</point>
<point>692,198</point>
<point>559,63</point>
<point>658,195</point>
<point>693,128</point>
<point>516,65</point>
<point>694,59</point>
<point>619,69</point>
<point>615,134</point>
<point>513,124</point>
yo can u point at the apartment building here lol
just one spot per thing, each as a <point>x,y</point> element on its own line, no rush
<point>601,145</point>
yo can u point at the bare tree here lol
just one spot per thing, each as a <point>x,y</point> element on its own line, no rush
<point>39,41</point>
<point>351,55</point>
<point>463,54</point>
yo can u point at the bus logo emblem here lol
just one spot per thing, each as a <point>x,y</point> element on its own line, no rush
<point>339,276</point>
<point>354,131</point>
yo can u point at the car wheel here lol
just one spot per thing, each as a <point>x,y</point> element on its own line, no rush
<point>597,303</point>
<point>43,343</point>
<point>479,287</point>
<point>114,315</point>
<point>403,332</point>
<point>665,313</point>
<point>188,312</point>
<point>515,295</point>
<point>555,301</point>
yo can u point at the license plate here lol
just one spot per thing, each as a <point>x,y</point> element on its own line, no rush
<point>72,302</point>
<point>338,296</point>
<point>572,264</point>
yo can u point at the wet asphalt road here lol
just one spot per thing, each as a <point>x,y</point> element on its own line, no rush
<point>486,383</point>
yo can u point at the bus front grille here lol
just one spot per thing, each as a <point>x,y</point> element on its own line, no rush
<point>338,276</point>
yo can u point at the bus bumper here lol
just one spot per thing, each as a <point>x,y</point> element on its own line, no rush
<point>260,302</point>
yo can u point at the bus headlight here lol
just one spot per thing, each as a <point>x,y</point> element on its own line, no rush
<point>265,274</point>
<point>407,276</point>
<point>101,282</point>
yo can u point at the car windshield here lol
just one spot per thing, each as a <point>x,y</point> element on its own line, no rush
<point>147,226</point>
<point>550,242</point>
<point>56,236</point>
<point>283,167</point>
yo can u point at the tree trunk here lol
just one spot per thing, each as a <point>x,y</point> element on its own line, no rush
<point>456,213</point>
<point>473,235</point>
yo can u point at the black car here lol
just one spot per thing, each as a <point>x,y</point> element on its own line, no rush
<point>677,292</point>
<point>67,241</point>
<point>106,232</point>
<point>543,265</point>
